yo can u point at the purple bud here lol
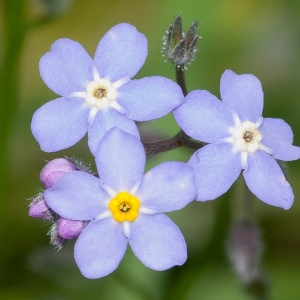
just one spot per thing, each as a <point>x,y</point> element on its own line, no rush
<point>54,169</point>
<point>244,249</point>
<point>69,229</point>
<point>38,208</point>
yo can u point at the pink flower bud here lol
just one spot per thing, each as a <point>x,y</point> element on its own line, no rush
<point>69,229</point>
<point>54,169</point>
<point>244,248</point>
<point>39,209</point>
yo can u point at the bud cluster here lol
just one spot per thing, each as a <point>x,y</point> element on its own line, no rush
<point>62,230</point>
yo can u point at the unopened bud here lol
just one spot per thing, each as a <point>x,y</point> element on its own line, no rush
<point>69,229</point>
<point>54,169</point>
<point>244,249</point>
<point>180,48</point>
<point>38,208</point>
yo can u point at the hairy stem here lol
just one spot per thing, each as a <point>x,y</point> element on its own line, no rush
<point>179,140</point>
<point>181,80</point>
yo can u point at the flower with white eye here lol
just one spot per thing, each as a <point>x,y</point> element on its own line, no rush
<point>238,138</point>
<point>124,206</point>
<point>99,94</point>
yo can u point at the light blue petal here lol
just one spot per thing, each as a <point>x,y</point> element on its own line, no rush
<point>105,120</point>
<point>60,124</point>
<point>149,98</point>
<point>167,187</point>
<point>120,160</point>
<point>121,52</point>
<point>100,248</point>
<point>216,169</point>
<point>66,68</point>
<point>157,242</point>
<point>204,117</point>
<point>266,180</point>
<point>243,94</point>
<point>77,196</point>
<point>278,136</point>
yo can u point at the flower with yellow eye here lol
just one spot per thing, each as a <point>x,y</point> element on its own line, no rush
<point>124,206</point>
<point>99,94</point>
<point>238,138</point>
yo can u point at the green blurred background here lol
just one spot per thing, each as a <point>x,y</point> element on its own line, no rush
<point>247,36</point>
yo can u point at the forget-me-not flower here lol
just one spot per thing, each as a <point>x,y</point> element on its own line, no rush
<point>124,206</point>
<point>239,138</point>
<point>99,94</point>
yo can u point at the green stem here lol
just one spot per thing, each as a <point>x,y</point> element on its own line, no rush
<point>14,30</point>
<point>248,203</point>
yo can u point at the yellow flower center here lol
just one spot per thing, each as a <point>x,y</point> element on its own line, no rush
<point>124,207</point>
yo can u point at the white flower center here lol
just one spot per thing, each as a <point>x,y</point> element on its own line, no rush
<point>100,94</point>
<point>246,137</point>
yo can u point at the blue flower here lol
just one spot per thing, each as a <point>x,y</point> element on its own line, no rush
<point>99,94</point>
<point>124,206</point>
<point>239,138</point>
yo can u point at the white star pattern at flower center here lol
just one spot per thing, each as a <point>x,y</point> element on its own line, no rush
<point>100,94</point>
<point>246,139</point>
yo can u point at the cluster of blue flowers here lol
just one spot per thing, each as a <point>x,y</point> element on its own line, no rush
<point>120,204</point>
